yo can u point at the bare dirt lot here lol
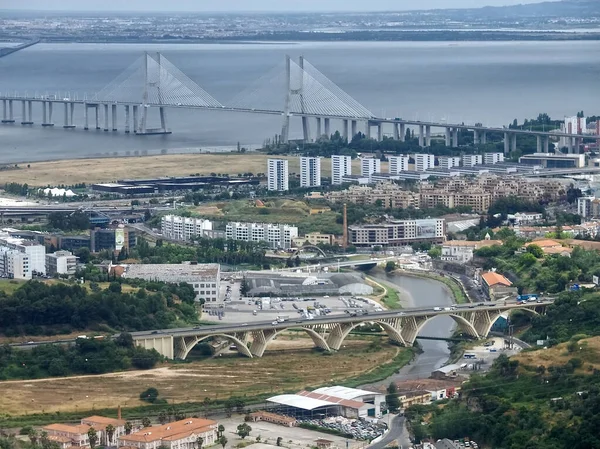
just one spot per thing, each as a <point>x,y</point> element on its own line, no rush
<point>214,378</point>
<point>91,171</point>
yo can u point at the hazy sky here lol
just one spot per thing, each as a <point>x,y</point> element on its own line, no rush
<point>250,5</point>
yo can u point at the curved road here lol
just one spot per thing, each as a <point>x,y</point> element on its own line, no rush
<point>396,433</point>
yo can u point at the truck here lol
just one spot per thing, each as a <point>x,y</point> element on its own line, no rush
<point>282,318</point>
<point>530,297</point>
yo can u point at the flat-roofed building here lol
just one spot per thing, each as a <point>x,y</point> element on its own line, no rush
<point>556,160</point>
<point>424,162</point>
<point>447,162</point>
<point>398,164</point>
<point>340,166</point>
<point>275,235</point>
<point>61,262</point>
<point>493,158</point>
<point>204,278</point>
<point>277,175</point>
<point>398,233</point>
<point>369,165</point>
<point>310,171</point>
<point>181,434</point>
<point>176,227</point>
<point>461,251</point>
<point>471,160</point>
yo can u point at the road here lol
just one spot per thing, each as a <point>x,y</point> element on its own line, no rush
<point>397,433</point>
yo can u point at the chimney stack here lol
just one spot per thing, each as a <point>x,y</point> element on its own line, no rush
<point>119,412</point>
<point>345,225</point>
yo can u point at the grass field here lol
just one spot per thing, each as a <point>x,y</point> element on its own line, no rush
<point>587,350</point>
<point>90,171</point>
<point>9,286</point>
<point>218,378</point>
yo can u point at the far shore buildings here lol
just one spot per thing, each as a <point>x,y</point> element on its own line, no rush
<point>181,434</point>
<point>76,435</point>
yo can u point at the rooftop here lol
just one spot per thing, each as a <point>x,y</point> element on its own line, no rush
<point>78,429</point>
<point>344,392</point>
<point>172,272</point>
<point>491,278</point>
<point>171,431</point>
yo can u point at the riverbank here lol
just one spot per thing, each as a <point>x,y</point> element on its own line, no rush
<point>455,287</point>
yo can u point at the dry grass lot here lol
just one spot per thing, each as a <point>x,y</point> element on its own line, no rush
<point>216,378</point>
<point>588,350</point>
<point>91,171</point>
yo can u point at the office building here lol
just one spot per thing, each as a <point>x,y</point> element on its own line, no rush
<point>398,164</point>
<point>61,262</point>
<point>112,239</point>
<point>277,175</point>
<point>447,162</point>
<point>471,160</point>
<point>424,162</point>
<point>204,278</point>
<point>556,160</point>
<point>20,266</point>
<point>340,166</point>
<point>310,171</point>
<point>369,165</point>
<point>184,228</point>
<point>14,264</point>
<point>275,235</point>
<point>397,233</point>
<point>493,158</point>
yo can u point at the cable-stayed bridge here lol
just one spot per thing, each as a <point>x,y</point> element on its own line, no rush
<point>295,89</point>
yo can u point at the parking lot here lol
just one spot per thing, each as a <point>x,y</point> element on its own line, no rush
<point>245,310</point>
<point>489,351</point>
<point>293,437</point>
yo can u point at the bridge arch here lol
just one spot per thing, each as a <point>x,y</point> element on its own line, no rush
<point>185,349</point>
<point>340,332</point>
<point>305,247</point>
<point>497,314</point>
<point>318,339</point>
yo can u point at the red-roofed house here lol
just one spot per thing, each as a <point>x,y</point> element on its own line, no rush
<point>496,285</point>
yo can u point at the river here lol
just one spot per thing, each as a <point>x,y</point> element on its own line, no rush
<point>487,82</point>
<point>419,292</point>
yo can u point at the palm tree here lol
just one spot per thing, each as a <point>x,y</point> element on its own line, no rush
<point>220,430</point>
<point>44,439</point>
<point>110,432</point>
<point>128,428</point>
<point>199,442</point>
<point>223,441</point>
<point>93,437</point>
<point>33,435</point>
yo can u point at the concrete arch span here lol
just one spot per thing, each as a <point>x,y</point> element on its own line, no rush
<point>261,339</point>
<point>185,346</point>
<point>311,247</point>
<point>340,332</point>
<point>496,314</point>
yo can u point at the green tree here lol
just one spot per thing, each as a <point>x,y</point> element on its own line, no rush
<point>243,430</point>
<point>391,398</point>
<point>110,433</point>
<point>536,251</point>
<point>527,260</point>
<point>33,436</point>
<point>128,427</point>
<point>435,252</point>
<point>244,287</point>
<point>92,437</point>
<point>146,421</point>
<point>220,430</point>
<point>199,442</point>
<point>149,395</point>
<point>279,440</point>
<point>390,266</point>
<point>222,441</point>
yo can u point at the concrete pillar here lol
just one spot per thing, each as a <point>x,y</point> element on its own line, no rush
<point>379,132</point>
<point>305,129</point>
<point>7,113</point>
<point>44,114</point>
<point>135,118</point>
<point>539,143</point>
<point>368,130</point>
<point>127,126</point>
<point>50,106</point>
<point>97,116</point>
<point>106,117</point>
<point>484,137</point>
<point>396,131</point>
<point>345,127</point>
<point>570,145</point>
<point>72,112</point>
<point>354,128</point>
<point>114,117</point>
<point>402,132</point>
<point>448,137</point>
<point>30,107</point>
<point>455,137</point>
<point>427,136</point>
<point>506,143</point>
<point>513,143</point>
<point>319,128</point>
<point>475,137</point>
<point>4,110</point>
<point>86,124</point>
<point>421,136</point>
<point>327,127</point>
<point>24,113</point>
<point>163,119</point>
<point>11,115</point>
<point>546,144</point>
<point>66,122</point>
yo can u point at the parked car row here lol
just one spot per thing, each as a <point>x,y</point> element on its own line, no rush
<point>359,429</point>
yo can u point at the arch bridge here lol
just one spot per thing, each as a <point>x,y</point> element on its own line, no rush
<point>328,333</point>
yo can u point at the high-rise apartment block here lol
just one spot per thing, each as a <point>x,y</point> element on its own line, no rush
<point>370,165</point>
<point>340,166</point>
<point>448,162</point>
<point>310,171</point>
<point>398,164</point>
<point>277,175</point>
<point>424,162</point>
<point>470,160</point>
<point>493,158</point>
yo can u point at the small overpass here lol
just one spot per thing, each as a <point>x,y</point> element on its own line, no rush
<point>328,333</point>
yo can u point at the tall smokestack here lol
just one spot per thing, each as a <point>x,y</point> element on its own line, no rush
<point>119,412</point>
<point>345,224</point>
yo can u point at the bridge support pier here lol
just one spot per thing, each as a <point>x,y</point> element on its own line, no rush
<point>506,143</point>
<point>69,110</point>
<point>513,142</point>
<point>305,129</point>
<point>86,120</point>
<point>484,137</point>
<point>455,137</point>
<point>570,145</point>
<point>327,125</point>
<point>319,128</point>
<point>27,113</point>
<point>421,136</point>
<point>475,137</point>
<point>379,132</point>
<point>396,131</point>
<point>427,136</point>
<point>106,118</point>
<point>448,137</point>
<point>163,120</point>
<point>47,113</point>
<point>127,126</point>
<point>114,117</point>
<point>10,117</point>
<point>402,132</point>
<point>135,118</point>
<point>97,116</point>
<point>368,129</point>
<point>354,128</point>
<point>345,135</point>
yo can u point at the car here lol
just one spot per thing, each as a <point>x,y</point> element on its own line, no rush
<point>154,332</point>
<point>453,308</point>
<point>471,306</point>
<point>244,324</point>
<point>30,342</point>
<point>437,309</point>
<point>491,304</point>
<point>274,323</point>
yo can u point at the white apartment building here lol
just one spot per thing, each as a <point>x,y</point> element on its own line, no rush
<point>369,165</point>
<point>204,278</point>
<point>471,160</point>
<point>61,262</point>
<point>398,233</point>
<point>340,166</point>
<point>493,158</point>
<point>35,252</point>
<point>310,171</point>
<point>448,162</point>
<point>276,235</point>
<point>277,175</point>
<point>398,164</point>
<point>14,264</point>
<point>184,228</point>
<point>584,206</point>
<point>424,162</point>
